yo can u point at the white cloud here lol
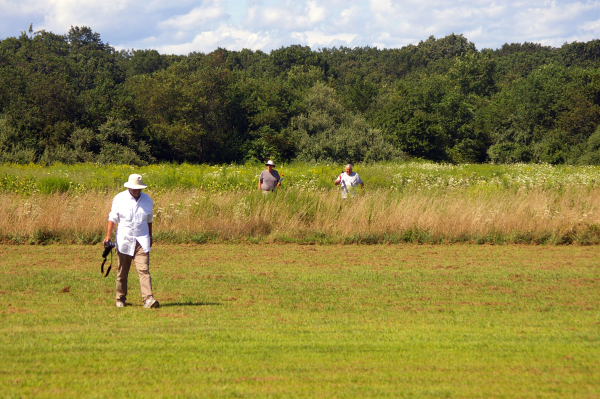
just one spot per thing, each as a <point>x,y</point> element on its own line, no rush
<point>200,17</point>
<point>18,8</point>
<point>592,27</point>
<point>319,39</point>
<point>225,36</point>
<point>292,17</point>
<point>316,14</point>
<point>203,25</point>
<point>353,18</point>
<point>61,14</point>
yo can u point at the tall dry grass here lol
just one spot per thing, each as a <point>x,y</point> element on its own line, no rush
<point>534,216</point>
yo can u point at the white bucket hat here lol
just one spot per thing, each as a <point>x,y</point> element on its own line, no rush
<point>269,162</point>
<point>135,182</point>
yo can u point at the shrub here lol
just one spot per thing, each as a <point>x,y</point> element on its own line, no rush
<point>329,133</point>
<point>53,184</point>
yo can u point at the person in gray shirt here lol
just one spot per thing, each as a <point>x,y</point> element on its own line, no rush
<point>269,178</point>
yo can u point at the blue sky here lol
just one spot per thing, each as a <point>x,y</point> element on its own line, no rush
<point>183,26</point>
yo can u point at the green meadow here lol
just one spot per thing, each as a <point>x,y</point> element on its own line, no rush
<point>396,176</point>
<point>258,320</point>
<point>402,202</point>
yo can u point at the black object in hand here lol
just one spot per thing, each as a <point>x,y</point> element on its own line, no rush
<point>108,246</point>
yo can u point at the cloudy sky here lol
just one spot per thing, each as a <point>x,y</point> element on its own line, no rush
<point>183,26</point>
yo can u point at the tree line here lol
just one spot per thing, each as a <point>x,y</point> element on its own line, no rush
<point>73,98</point>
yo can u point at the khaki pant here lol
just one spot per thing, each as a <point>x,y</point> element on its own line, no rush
<point>142,264</point>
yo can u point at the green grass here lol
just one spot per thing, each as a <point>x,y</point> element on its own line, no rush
<point>408,321</point>
<point>397,176</point>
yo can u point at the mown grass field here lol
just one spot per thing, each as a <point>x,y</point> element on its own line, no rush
<point>408,321</point>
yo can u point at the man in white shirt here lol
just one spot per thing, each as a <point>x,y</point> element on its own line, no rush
<point>132,210</point>
<point>348,182</point>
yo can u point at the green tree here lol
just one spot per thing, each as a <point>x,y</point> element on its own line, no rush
<point>436,116</point>
<point>545,115</point>
<point>186,111</point>
<point>330,133</point>
<point>283,59</point>
<point>269,104</point>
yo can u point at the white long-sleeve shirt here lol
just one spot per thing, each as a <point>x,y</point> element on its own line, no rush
<point>348,183</point>
<point>132,217</point>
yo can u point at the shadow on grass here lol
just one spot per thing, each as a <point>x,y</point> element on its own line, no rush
<point>190,304</point>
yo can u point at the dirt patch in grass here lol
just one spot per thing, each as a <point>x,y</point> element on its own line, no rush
<point>173,315</point>
<point>13,310</point>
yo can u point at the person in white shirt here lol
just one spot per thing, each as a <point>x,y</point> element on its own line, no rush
<point>348,182</point>
<point>132,210</point>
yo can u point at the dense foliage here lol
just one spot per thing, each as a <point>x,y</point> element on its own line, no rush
<point>72,98</point>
